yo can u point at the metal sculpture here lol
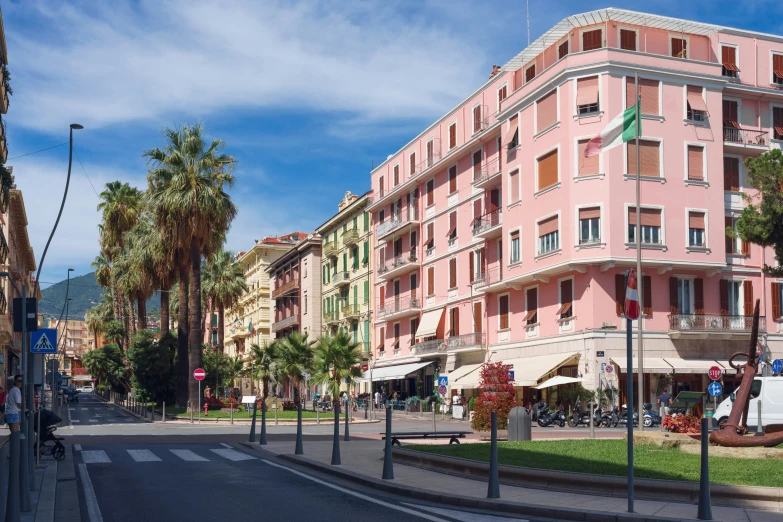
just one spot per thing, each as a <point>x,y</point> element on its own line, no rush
<point>734,432</point>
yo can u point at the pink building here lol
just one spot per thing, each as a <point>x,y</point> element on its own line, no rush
<point>496,240</point>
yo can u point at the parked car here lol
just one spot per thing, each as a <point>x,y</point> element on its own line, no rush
<point>768,390</point>
<point>87,388</point>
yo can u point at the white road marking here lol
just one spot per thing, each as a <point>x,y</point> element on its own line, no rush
<point>465,517</point>
<point>93,420</point>
<point>188,455</point>
<point>143,455</point>
<point>77,447</point>
<point>232,454</point>
<point>75,420</point>
<point>95,457</point>
<point>358,495</point>
<point>225,445</point>
<point>93,510</point>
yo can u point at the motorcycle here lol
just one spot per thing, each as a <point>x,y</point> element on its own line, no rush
<point>650,418</point>
<point>552,417</point>
<point>623,420</point>
<point>579,417</point>
<point>539,408</point>
<point>609,418</point>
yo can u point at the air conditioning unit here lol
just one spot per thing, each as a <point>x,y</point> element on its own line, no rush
<point>608,326</point>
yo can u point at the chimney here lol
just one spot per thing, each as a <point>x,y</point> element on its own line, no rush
<point>495,71</point>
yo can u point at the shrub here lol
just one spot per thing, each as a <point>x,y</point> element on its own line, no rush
<point>472,403</point>
<point>682,424</point>
<point>497,394</point>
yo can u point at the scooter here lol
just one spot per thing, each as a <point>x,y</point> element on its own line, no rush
<point>609,418</point>
<point>623,421</point>
<point>552,417</point>
<point>650,418</point>
<point>539,408</point>
<point>579,417</point>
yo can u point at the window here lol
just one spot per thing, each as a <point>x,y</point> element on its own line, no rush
<point>562,50</point>
<point>530,73</point>
<point>396,171</point>
<point>777,122</point>
<point>471,267</point>
<point>396,345</point>
<point>380,186</point>
<point>414,282</point>
<point>731,174</point>
<point>452,136</point>
<point>587,95</point>
<point>589,226</point>
<point>619,300</point>
<point>651,226</point>
<point>502,93</point>
<point>477,164</point>
<point>430,235</point>
<point>366,221</point>
<point>366,256</point>
<point>547,170</point>
<point>628,39</point>
<point>649,158</point>
<point>452,235</point>
<point>477,315</point>
<point>452,273</point>
<point>548,236</point>
<point>649,91</point>
<point>382,337</point>
<point>477,119</point>
<point>454,322</point>
<point>414,243</point>
<point>304,305</point>
<point>697,109</point>
<point>736,298</point>
<point>412,159</point>
<point>777,68</point>
<point>566,309</point>
<point>503,311</point>
<point>431,281</point>
<point>734,244</point>
<point>679,47</point>
<point>513,185</point>
<point>728,55</point>
<point>511,138</point>
<point>777,288</point>
<point>685,296</point>
<point>696,228</point>
<point>453,179</point>
<point>531,296</point>
<point>430,153</point>
<point>587,166</point>
<point>546,111</point>
<point>695,163</point>
<point>592,40</point>
<point>515,257</point>
<point>430,192</point>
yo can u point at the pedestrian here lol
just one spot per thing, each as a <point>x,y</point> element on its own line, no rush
<point>13,405</point>
<point>2,405</point>
<point>384,397</point>
<point>207,392</point>
<point>377,399</point>
<point>664,402</point>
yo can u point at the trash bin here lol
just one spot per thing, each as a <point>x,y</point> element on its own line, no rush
<point>519,424</point>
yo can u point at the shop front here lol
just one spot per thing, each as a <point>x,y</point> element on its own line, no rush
<point>405,379</point>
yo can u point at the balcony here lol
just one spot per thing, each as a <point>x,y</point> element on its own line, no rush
<point>399,223</point>
<point>3,247</point>
<point>466,342</point>
<point>3,303</point>
<point>341,278</point>
<point>398,266</point>
<point>286,323</point>
<point>332,317</point>
<point>350,237</point>
<point>745,141</point>
<point>429,348</point>
<point>351,311</point>
<point>397,308</point>
<point>480,119</point>
<point>488,280</point>
<point>330,249</point>
<point>713,326</point>
<point>386,194</point>
<point>287,288</point>
<point>488,225</point>
<point>489,175</point>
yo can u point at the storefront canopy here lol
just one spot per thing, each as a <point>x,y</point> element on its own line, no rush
<point>557,381</point>
<point>672,365</point>
<point>691,365</point>
<point>727,367</point>
<point>528,370</point>
<point>466,376</point>
<point>651,365</point>
<point>390,373</point>
<point>429,323</point>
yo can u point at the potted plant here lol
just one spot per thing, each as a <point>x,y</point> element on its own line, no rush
<point>414,404</point>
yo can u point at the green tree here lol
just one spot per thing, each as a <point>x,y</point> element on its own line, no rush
<point>151,365</point>
<point>107,364</point>
<point>337,361</point>
<point>761,221</point>
<point>224,283</point>
<point>186,191</point>
<point>264,364</point>
<point>234,368</point>
<point>295,358</point>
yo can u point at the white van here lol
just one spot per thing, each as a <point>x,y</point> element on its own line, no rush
<point>770,391</point>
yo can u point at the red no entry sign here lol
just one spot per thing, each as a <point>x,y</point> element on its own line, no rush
<point>714,372</point>
<point>199,374</point>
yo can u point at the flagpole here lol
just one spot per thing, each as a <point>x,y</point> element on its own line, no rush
<point>640,276</point>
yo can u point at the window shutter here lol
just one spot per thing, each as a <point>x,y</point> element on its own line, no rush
<point>530,73</point>
<point>562,50</point>
<point>745,246</point>
<point>696,220</point>
<point>589,213</point>
<point>518,78</point>
<point>453,273</point>
<point>513,182</point>
<point>431,281</point>
<point>619,293</point>
<point>477,164</point>
<point>650,159</point>
<point>382,296</point>
<point>430,192</point>
<point>546,110</point>
<point>452,135</point>
<point>513,127</point>
<point>547,170</point>
<point>472,266</point>
<point>366,291</point>
<point>674,307</point>
<point>380,186</point>
<point>730,114</point>
<point>587,91</point>
<point>647,295</point>
<point>430,153</point>
<point>453,179</point>
<point>566,299</point>
<point>587,166</point>
<point>627,40</point>
<point>413,163</point>
<point>477,118</point>
<point>648,91</point>
<point>695,163</point>
<point>503,311</point>
<point>747,288</point>
<point>724,297</point>
<point>455,328</point>
<point>591,40</point>
<point>477,318</point>
<point>532,306</point>
<point>694,96</point>
<point>679,48</point>
<point>775,300</point>
<point>396,175</point>
<point>476,210</point>
<point>698,297</point>
<point>547,226</point>
<point>729,58</point>
<point>382,339</point>
<point>777,122</point>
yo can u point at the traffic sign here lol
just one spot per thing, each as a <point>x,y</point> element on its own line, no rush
<point>44,340</point>
<point>442,390</point>
<point>609,368</point>
<point>715,389</point>
<point>443,380</point>
<point>777,366</point>
<point>603,367</point>
<point>199,374</point>
<point>510,375</point>
<point>714,372</point>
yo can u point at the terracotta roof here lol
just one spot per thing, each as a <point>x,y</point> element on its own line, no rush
<point>293,237</point>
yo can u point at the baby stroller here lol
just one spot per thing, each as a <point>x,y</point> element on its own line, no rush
<point>48,443</point>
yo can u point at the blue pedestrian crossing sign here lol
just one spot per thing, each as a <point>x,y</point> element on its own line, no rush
<point>443,380</point>
<point>44,340</point>
<point>715,389</point>
<point>777,366</point>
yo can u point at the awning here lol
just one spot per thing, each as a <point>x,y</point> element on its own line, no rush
<point>695,100</point>
<point>691,365</point>
<point>651,365</point>
<point>727,367</point>
<point>528,370</point>
<point>429,323</point>
<point>557,381</point>
<point>467,376</point>
<point>390,373</point>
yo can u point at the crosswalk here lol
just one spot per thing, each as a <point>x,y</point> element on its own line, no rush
<point>161,455</point>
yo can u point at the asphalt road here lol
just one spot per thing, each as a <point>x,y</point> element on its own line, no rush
<point>92,411</point>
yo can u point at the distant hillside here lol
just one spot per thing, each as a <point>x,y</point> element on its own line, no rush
<point>84,293</point>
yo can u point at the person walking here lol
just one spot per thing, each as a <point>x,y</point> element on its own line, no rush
<point>384,397</point>
<point>664,402</point>
<point>3,395</point>
<point>377,399</point>
<point>13,405</point>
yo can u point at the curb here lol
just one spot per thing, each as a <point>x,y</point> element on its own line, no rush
<point>287,422</point>
<point>605,485</point>
<point>502,506</point>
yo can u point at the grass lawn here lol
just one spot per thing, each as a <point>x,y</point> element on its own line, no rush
<point>270,415</point>
<point>608,457</point>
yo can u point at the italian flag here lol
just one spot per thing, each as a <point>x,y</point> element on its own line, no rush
<point>620,130</point>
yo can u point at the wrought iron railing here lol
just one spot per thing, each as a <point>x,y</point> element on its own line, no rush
<point>290,286</point>
<point>482,122</point>
<point>399,304</point>
<point>745,136</point>
<point>714,323</point>
<point>425,347</point>
<point>350,236</point>
<point>329,248</point>
<point>489,170</point>
<point>351,310</point>
<point>589,240</point>
<point>488,277</point>
<point>387,227</point>
<point>466,340</point>
<point>330,317</point>
<point>490,220</point>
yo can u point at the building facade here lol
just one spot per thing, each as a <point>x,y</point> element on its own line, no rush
<point>515,245</point>
<point>248,322</point>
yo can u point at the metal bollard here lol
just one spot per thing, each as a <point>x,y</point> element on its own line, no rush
<point>163,416</point>
<point>705,509</point>
<point>365,411</point>
<point>4,472</point>
<point>347,419</point>
<point>31,450</point>
<point>432,405</point>
<point>592,423</point>
<point>493,488</point>
<point>298,450</point>
<point>336,438</point>
<point>276,405</point>
<point>12,507</point>
<point>231,412</point>
<point>759,427</point>
<point>388,463</point>
<point>24,475</point>
<point>252,437</point>
<point>262,440</point>
<point>191,412</point>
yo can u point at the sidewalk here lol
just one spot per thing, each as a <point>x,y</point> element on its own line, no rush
<point>363,462</point>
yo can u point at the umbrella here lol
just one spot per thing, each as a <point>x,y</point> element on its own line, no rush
<point>557,381</point>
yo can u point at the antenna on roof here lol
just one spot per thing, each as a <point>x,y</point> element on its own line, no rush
<point>527,12</point>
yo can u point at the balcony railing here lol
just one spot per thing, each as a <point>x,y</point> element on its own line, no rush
<point>350,236</point>
<point>290,286</point>
<point>393,306</point>
<point>486,222</point>
<point>715,323</point>
<point>341,278</point>
<point>331,317</point>
<point>488,171</point>
<point>285,323</point>
<point>589,241</point>
<point>330,248</point>
<point>3,302</point>
<point>482,122</point>
<point>351,310</point>
<point>742,136</point>
<point>397,222</point>
<point>3,247</point>
<point>488,277</point>
<point>428,347</point>
<point>466,340</point>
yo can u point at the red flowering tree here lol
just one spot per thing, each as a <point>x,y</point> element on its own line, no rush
<point>497,394</point>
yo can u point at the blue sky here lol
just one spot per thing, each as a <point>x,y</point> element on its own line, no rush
<point>306,95</point>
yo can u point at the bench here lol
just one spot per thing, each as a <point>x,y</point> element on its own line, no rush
<point>453,436</point>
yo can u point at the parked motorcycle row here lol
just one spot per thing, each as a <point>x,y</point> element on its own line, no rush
<point>612,418</point>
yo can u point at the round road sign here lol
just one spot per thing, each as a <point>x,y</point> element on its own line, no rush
<point>199,374</point>
<point>777,366</point>
<point>715,389</point>
<point>609,368</point>
<point>442,390</point>
<point>714,372</point>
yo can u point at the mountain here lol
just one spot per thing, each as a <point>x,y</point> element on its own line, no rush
<point>84,294</point>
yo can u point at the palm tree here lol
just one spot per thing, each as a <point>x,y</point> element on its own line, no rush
<point>94,323</point>
<point>186,192</point>
<point>295,359</point>
<point>337,360</point>
<point>233,368</point>
<point>224,284</point>
<point>264,364</point>
<point>135,267</point>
